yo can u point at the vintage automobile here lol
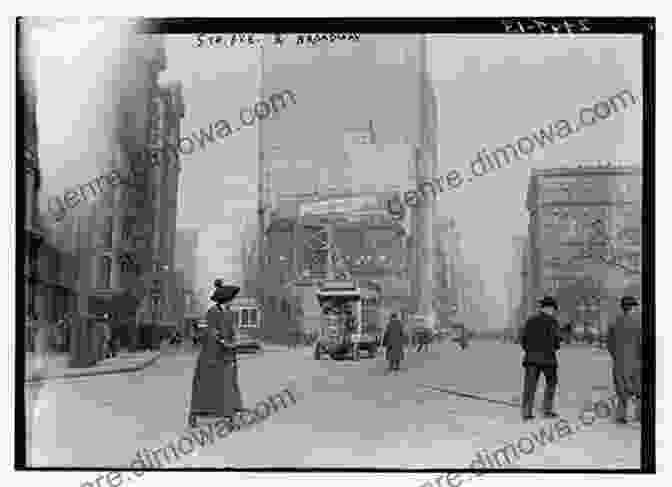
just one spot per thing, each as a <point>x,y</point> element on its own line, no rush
<point>341,332</point>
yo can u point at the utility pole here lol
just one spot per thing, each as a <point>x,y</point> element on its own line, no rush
<point>425,242</point>
<point>329,227</point>
<point>261,175</point>
<point>82,337</point>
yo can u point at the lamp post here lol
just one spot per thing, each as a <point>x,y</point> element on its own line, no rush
<point>581,308</point>
<point>156,293</point>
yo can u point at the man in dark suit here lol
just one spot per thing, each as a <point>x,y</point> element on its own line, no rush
<point>624,342</point>
<point>540,339</point>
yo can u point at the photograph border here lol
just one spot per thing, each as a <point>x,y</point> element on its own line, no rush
<point>644,26</point>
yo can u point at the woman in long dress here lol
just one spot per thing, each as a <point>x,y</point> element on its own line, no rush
<point>215,390</point>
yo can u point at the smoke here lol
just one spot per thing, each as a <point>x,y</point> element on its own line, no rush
<point>79,71</point>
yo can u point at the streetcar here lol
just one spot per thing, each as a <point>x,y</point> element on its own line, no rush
<point>341,328</point>
<point>248,323</point>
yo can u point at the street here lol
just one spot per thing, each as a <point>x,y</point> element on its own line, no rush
<point>347,414</point>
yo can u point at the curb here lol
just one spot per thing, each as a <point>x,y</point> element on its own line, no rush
<point>468,395</point>
<point>75,375</point>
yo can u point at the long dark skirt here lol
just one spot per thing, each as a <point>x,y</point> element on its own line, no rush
<point>395,353</point>
<point>215,390</point>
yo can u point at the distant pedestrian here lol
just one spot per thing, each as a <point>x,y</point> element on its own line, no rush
<point>423,338</point>
<point>394,340</point>
<point>107,337</point>
<point>540,340</point>
<point>464,338</point>
<point>215,390</point>
<point>624,345</point>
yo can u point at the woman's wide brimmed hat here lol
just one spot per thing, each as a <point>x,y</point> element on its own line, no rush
<point>224,294</point>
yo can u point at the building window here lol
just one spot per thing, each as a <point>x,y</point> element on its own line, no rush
<point>108,232</point>
<point>105,273</point>
<point>127,228</point>
<point>286,308</point>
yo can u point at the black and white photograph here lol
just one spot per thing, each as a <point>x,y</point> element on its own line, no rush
<point>334,244</point>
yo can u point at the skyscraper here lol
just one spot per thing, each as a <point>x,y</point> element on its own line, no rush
<point>379,85</point>
<point>374,83</point>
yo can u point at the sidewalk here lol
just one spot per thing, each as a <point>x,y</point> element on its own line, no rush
<point>55,366</point>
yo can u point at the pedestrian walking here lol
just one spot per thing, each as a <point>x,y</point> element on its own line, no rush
<point>215,391</point>
<point>423,339</point>
<point>394,340</point>
<point>106,337</point>
<point>625,347</point>
<point>540,340</point>
<point>464,338</point>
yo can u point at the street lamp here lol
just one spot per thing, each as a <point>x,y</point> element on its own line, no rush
<point>582,308</point>
<point>156,298</point>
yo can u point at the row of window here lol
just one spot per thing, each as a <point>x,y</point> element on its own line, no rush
<point>104,270</point>
<point>625,187</point>
<point>246,318</point>
<point>627,259</point>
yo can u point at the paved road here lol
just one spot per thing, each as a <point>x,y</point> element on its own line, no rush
<point>347,415</point>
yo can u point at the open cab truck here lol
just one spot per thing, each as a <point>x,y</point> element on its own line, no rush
<point>341,322</point>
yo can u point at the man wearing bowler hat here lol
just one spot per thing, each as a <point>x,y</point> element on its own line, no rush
<point>540,340</point>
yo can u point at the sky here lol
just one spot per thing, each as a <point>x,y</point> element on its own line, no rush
<point>491,90</point>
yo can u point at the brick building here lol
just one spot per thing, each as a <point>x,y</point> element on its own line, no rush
<point>585,222</point>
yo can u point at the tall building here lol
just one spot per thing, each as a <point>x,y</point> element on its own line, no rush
<point>186,245</point>
<point>380,122</point>
<point>114,236</point>
<point>95,259</point>
<point>31,181</point>
<point>585,222</point>
<point>453,240</point>
<point>308,150</point>
<point>166,114</point>
<point>475,300</point>
<point>125,228</point>
<point>444,293</point>
<point>50,263</point>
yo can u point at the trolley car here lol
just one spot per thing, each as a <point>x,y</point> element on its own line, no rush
<point>248,323</point>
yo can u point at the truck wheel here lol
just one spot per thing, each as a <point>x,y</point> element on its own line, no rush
<point>317,354</point>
